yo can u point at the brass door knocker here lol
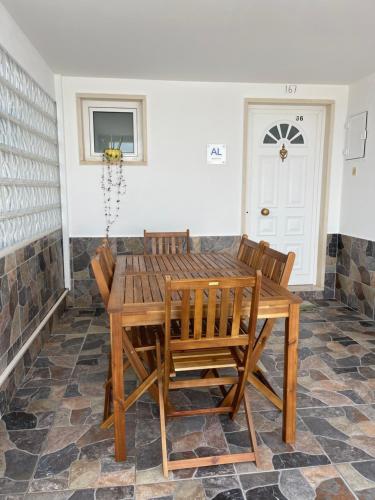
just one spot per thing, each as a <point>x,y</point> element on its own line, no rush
<point>283,152</point>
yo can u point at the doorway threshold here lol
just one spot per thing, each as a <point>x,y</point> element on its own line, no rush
<point>305,288</point>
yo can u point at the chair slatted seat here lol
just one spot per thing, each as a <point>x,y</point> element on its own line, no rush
<point>158,243</point>
<point>207,343</point>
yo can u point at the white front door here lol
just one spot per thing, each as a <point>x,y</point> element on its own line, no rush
<point>283,196</point>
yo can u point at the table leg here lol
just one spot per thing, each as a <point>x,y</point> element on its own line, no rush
<point>290,374</point>
<point>118,386</point>
<point>260,343</point>
<point>256,377</point>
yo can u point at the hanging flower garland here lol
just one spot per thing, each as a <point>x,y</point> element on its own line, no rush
<point>113,185</point>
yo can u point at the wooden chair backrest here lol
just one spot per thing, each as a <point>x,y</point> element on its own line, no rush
<point>109,259</point>
<point>166,243</point>
<point>215,306</point>
<point>250,252</point>
<point>277,266</point>
<point>102,276</point>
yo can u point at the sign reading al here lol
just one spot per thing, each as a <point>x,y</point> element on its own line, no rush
<point>216,154</point>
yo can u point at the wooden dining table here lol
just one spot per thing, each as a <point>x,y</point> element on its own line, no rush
<point>137,299</point>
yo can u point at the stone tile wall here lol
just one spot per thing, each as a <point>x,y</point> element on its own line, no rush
<point>84,292</point>
<point>330,273</point>
<point>355,278</point>
<point>331,262</point>
<point>31,280</point>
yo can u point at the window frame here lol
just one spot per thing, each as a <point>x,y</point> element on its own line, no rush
<point>88,103</point>
<point>90,145</point>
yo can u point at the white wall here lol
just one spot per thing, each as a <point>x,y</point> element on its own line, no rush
<point>19,46</point>
<point>178,189</point>
<point>358,193</point>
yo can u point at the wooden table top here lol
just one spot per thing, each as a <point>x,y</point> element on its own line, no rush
<point>138,283</point>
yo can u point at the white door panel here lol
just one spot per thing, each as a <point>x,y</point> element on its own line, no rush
<point>290,189</point>
<point>268,182</point>
<point>267,226</point>
<point>295,173</point>
<point>294,225</point>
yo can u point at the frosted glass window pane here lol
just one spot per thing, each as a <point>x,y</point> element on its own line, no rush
<point>113,128</point>
<point>275,132</point>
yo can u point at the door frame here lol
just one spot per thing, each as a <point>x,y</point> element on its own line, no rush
<point>326,170</point>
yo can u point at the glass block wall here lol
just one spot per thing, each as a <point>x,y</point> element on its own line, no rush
<point>29,168</point>
<point>31,256</point>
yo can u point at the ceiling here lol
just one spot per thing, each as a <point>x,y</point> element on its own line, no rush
<point>295,41</point>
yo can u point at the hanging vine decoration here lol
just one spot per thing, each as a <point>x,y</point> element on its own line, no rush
<point>113,184</point>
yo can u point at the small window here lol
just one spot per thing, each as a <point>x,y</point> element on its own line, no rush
<point>113,125</point>
<point>283,131</point>
<point>112,121</point>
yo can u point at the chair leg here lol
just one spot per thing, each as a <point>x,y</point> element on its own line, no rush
<point>259,381</point>
<point>255,375</point>
<point>107,401</point>
<point>250,425</point>
<point>147,356</point>
<point>261,342</point>
<point>133,397</point>
<point>107,421</point>
<point>241,389</point>
<point>108,391</point>
<point>138,339</point>
<point>227,401</point>
<point>206,461</point>
<point>163,431</point>
<point>217,375</point>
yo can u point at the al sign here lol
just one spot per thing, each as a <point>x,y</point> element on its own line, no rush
<point>216,154</point>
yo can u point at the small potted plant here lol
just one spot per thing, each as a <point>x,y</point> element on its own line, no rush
<point>113,154</point>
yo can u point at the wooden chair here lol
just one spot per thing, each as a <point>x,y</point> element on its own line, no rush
<point>250,252</point>
<point>102,273</point>
<point>166,243</point>
<point>278,267</point>
<point>103,277</point>
<point>109,260</point>
<point>208,342</point>
<point>142,338</point>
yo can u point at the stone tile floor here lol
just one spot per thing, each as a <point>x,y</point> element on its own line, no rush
<point>51,445</point>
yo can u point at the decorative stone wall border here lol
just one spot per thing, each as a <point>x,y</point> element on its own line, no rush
<point>17,376</point>
<point>355,278</point>
<point>84,291</point>
<point>31,280</point>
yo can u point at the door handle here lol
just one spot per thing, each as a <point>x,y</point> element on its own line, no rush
<point>265,211</point>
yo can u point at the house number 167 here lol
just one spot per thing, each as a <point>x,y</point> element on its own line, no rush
<point>299,118</point>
